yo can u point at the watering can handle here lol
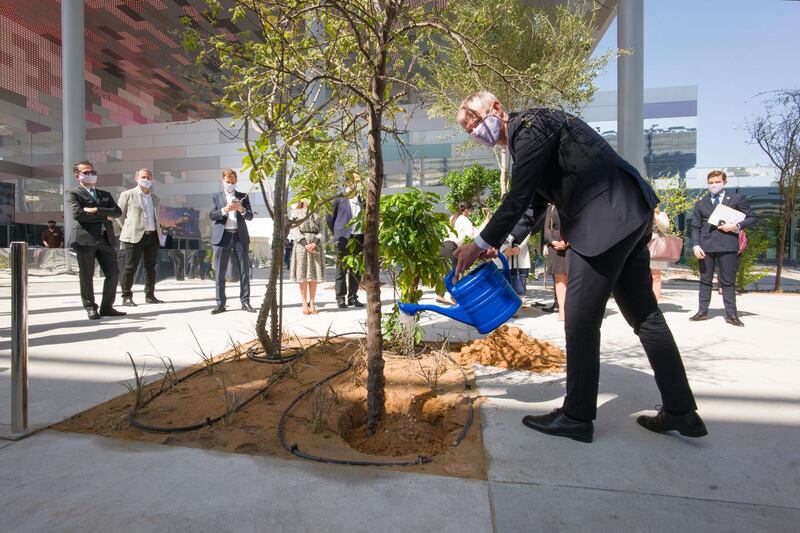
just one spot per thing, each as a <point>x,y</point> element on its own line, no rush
<point>448,281</point>
<point>506,271</point>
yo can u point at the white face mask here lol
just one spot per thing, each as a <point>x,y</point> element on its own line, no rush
<point>88,180</point>
<point>716,188</point>
<point>228,187</point>
<point>487,132</point>
<point>144,183</point>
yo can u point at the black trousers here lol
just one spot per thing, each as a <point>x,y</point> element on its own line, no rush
<point>728,265</point>
<point>106,257</point>
<point>133,252</point>
<point>624,271</point>
<point>346,280</point>
<point>231,244</point>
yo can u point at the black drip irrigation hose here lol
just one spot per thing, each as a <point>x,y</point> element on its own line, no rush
<point>294,449</point>
<point>298,353</point>
<point>209,421</point>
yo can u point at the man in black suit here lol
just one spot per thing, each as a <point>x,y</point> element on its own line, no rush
<point>345,208</point>
<point>606,212</point>
<point>229,211</point>
<point>718,245</point>
<point>92,236</point>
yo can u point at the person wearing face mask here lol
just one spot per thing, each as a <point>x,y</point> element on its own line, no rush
<point>92,237</point>
<point>718,245</point>
<point>139,237</point>
<point>606,215</point>
<point>229,211</point>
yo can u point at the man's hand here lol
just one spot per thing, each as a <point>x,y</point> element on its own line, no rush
<point>560,245</point>
<point>466,254</point>
<point>90,209</point>
<point>512,250</point>
<point>728,227</point>
<point>698,252</point>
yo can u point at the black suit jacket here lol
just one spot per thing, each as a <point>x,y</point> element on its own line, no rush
<point>218,201</point>
<point>708,237</point>
<point>86,227</point>
<point>558,158</point>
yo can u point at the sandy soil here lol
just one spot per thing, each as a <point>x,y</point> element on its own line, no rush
<point>509,347</point>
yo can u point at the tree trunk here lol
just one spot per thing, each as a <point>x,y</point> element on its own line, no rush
<point>503,171</point>
<point>375,379</point>
<point>779,254</point>
<point>270,311</point>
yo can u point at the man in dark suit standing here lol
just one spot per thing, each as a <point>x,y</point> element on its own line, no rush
<point>345,208</point>
<point>718,245</point>
<point>92,236</point>
<point>606,212</point>
<point>229,211</point>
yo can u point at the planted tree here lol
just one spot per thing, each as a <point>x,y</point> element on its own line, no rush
<point>777,133</point>
<point>476,185</point>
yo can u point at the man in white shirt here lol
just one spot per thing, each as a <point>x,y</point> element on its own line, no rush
<point>230,210</point>
<point>139,236</point>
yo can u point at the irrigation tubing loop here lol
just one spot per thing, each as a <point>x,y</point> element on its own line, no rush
<point>209,421</point>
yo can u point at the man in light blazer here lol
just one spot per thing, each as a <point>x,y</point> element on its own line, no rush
<point>718,245</point>
<point>139,236</point>
<point>229,211</point>
<point>92,237</point>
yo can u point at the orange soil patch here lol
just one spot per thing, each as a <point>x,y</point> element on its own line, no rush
<point>509,347</point>
<point>328,422</point>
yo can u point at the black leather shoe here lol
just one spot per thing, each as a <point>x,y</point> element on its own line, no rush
<point>153,300</point>
<point>93,314</point>
<point>355,303</point>
<point>688,425</point>
<point>557,424</point>
<point>697,317</point>
<point>552,309</point>
<point>218,309</point>
<point>128,302</point>
<point>112,312</point>
<point>341,303</point>
<point>734,321</point>
<point>247,307</point>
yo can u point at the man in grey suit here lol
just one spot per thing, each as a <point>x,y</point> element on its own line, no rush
<point>345,208</point>
<point>229,211</point>
<point>92,237</point>
<point>139,236</point>
<point>718,245</point>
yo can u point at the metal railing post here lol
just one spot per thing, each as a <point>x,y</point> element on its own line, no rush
<point>19,337</point>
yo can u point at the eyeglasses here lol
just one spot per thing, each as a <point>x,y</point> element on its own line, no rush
<point>88,173</point>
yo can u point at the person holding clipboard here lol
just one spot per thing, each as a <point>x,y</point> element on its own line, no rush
<point>718,218</point>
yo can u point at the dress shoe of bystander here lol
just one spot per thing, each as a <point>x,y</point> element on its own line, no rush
<point>247,307</point>
<point>734,321</point>
<point>697,317</point>
<point>112,312</point>
<point>218,309</point>
<point>556,423</point>
<point>688,425</point>
<point>128,302</point>
<point>153,300</point>
<point>93,314</point>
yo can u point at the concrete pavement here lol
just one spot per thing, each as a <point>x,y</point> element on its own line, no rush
<point>745,476</point>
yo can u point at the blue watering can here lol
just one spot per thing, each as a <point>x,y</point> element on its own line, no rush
<point>485,298</point>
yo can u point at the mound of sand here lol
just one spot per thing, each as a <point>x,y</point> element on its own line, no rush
<point>509,347</point>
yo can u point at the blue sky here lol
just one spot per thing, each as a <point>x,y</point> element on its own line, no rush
<point>731,50</point>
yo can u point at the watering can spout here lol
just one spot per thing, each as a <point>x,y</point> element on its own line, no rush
<point>456,312</point>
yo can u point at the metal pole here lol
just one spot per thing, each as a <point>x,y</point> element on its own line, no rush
<point>630,83</point>
<point>19,337</point>
<point>73,121</point>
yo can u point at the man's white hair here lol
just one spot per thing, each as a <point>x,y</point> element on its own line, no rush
<point>481,100</point>
<point>141,170</point>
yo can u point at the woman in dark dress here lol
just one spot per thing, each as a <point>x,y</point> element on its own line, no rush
<point>557,256</point>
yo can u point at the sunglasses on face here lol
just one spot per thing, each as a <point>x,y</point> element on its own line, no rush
<point>88,173</point>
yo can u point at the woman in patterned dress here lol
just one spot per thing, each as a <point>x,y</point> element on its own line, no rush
<point>306,266</point>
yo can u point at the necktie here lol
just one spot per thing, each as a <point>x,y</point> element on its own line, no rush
<point>93,193</point>
<point>716,200</point>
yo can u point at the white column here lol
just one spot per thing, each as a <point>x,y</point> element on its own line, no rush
<point>630,82</point>
<point>73,121</point>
